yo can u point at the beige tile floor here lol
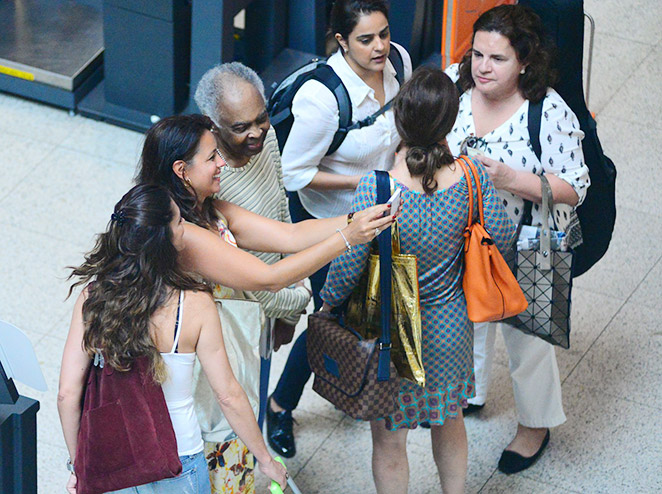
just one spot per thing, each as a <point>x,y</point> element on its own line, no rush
<point>62,174</point>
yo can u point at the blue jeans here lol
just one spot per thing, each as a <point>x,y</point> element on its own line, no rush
<point>194,479</point>
<point>297,371</point>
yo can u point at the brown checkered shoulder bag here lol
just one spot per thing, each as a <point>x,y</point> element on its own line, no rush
<point>346,369</point>
<point>354,374</point>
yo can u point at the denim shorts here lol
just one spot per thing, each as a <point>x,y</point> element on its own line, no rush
<point>194,479</point>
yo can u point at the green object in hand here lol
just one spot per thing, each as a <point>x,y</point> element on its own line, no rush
<point>275,486</point>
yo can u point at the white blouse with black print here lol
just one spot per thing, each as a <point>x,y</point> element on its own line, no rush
<point>560,140</point>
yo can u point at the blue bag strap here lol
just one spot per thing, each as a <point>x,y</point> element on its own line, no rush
<point>384,242</point>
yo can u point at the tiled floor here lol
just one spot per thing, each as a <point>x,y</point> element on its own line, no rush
<point>62,174</point>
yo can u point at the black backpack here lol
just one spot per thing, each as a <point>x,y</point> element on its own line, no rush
<point>280,102</point>
<point>564,23</point>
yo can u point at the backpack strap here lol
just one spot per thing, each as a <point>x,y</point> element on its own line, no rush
<point>460,91</point>
<point>395,57</point>
<point>327,76</point>
<point>533,124</point>
<point>370,119</point>
<point>280,103</point>
<point>385,255</point>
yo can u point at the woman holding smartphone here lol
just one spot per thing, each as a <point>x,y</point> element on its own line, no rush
<point>181,153</point>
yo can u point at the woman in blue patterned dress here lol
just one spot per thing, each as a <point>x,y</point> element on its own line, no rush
<point>432,222</point>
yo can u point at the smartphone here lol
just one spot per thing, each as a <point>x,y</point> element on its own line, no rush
<point>394,201</point>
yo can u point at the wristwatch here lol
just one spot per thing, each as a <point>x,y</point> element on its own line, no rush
<point>70,466</point>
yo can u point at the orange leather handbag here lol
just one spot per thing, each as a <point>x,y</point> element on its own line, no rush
<point>491,289</point>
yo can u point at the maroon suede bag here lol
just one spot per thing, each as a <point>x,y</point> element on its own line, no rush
<point>126,437</point>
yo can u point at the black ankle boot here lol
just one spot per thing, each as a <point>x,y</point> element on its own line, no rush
<point>279,432</point>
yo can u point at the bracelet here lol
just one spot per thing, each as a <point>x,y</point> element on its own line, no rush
<point>347,244</point>
<point>350,217</point>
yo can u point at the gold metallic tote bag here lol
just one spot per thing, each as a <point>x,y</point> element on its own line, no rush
<point>364,309</point>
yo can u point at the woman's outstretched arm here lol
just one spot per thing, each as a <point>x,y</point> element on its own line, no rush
<point>208,255</point>
<point>255,232</point>
<point>346,270</point>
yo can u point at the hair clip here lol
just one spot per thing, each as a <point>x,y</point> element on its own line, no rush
<point>119,217</point>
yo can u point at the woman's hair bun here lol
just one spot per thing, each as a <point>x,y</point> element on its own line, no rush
<point>425,111</point>
<point>417,157</point>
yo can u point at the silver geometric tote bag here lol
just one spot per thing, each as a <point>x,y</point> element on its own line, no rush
<point>545,276</point>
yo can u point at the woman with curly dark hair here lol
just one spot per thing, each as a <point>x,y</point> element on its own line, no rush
<point>138,302</point>
<point>506,70</point>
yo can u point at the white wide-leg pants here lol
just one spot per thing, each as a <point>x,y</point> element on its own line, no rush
<point>533,370</point>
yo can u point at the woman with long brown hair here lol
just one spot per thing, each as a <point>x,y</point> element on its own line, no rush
<point>182,153</point>
<point>138,302</point>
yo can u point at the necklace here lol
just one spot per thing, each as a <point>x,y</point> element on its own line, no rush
<point>218,150</point>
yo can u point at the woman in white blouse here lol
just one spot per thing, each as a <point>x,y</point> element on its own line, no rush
<point>508,67</point>
<point>326,184</point>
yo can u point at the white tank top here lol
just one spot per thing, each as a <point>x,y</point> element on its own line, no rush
<point>178,392</point>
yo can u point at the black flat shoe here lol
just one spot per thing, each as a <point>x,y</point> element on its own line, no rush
<point>511,462</point>
<point>279,432</point>
<point>471,409</point>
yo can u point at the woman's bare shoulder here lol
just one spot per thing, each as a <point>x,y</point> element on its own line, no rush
<point>199,305</point>
<point>199,301</point>
<point>199,311</point>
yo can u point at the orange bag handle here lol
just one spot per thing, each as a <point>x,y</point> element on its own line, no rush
<point>468,165</point>
<point>462,163</point>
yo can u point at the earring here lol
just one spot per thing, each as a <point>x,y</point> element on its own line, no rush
<point>523,70</point>
<point>187,183</point>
